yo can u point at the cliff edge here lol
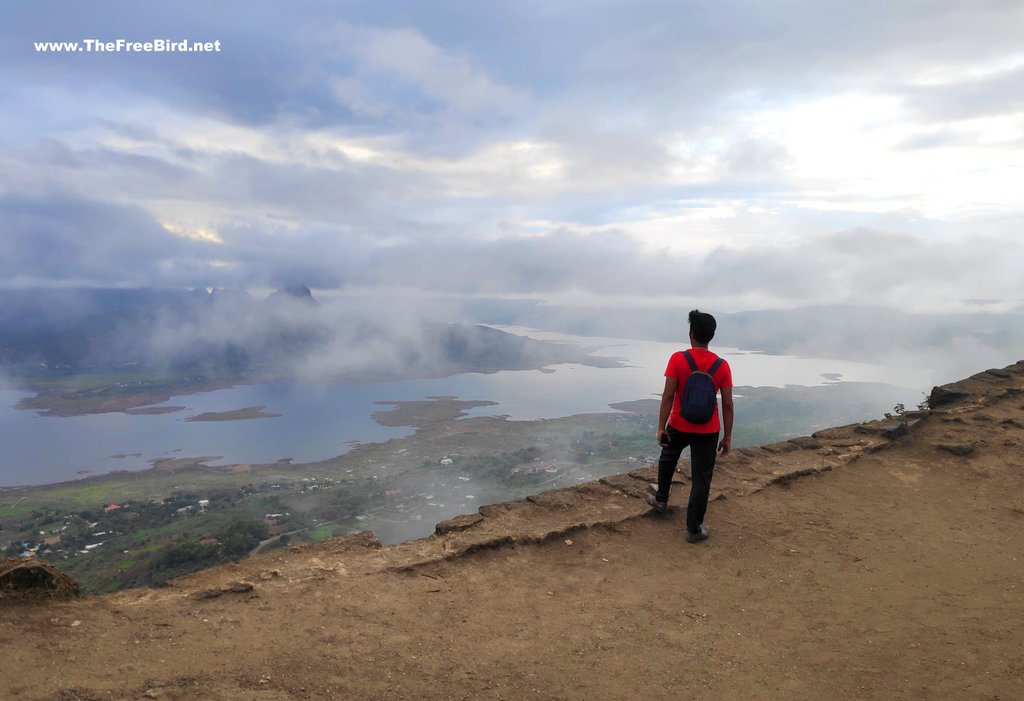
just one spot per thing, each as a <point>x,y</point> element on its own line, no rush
<point>871,561</point>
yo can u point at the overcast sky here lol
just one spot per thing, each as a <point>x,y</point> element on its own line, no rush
<point>738,155</point>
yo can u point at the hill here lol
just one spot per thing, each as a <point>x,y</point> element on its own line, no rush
<point>871,561</point>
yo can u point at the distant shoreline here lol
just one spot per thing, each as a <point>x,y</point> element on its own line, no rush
<point>430,414</point>
<point>66,401</point>
<point>439,411</point>
<point>80,396</point>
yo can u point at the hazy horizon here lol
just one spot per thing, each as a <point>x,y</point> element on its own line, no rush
<point>47,333</point>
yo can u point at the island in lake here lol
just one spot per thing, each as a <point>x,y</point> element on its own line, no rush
<point>249,412</point>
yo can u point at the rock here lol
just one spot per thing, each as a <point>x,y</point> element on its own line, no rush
<point>946,394</point>
<point>459,523</point>
<point>891,430</point>
<point>806,443</point>
<point>959,449</point>
<point>847,443</point>
<point>787,477</point>
<point>627,484</point>
<point>780,447</point>
<point>555,499</point>
<point>232,588</point>
<point>999,373</point>
<point>494,510</point>
<point>30,576</point>
<point>877,446</point>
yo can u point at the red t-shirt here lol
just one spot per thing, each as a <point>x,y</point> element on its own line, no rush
<point>680,369</point>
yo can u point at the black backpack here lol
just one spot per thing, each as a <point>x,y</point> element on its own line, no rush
<point>698,403</point>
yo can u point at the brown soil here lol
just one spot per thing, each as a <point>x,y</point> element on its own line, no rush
<point>881,561</point>
<point>32,579</point>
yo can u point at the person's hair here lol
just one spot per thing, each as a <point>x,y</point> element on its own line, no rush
<point>702,326</point>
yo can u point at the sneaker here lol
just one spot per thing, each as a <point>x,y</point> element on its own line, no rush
<point>655,503</point>
<point>697,536</point>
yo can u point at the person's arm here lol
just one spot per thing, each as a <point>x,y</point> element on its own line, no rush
<point>727,415</point>
<point>666,404</point>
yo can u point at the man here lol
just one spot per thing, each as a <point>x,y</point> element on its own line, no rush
<point>676,432</point>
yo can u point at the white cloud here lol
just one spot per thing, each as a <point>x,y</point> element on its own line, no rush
<point>196,234</point>
<point>583,152</point>
<point>418,69</point>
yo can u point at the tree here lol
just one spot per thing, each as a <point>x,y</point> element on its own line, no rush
<point>242,536</point>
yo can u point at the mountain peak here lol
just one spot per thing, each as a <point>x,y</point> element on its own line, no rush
<point>300,292</point>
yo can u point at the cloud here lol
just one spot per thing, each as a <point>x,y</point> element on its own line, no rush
<point>763,155</point>
<point>415,64</point>
<point>53,236</point>
<point>998,93</point>
<point>859,266</point>
<point>863,266</point>
<point>123,245</point>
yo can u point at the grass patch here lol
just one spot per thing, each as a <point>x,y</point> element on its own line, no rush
<point>330,530</point>
<point>15,511</point>
<point>93,493</point>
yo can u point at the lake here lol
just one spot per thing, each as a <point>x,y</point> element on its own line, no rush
<point>323,420</point>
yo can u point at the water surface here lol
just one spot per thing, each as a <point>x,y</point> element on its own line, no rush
<point>322,420</point>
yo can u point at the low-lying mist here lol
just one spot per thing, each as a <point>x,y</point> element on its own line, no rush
<point>230,334</point>
<point>223,334</point>
<point>951,346</point>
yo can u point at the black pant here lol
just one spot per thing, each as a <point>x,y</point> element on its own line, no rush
<point>703,451</point>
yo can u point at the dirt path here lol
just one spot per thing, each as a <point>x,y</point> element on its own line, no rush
<point>892,569</point>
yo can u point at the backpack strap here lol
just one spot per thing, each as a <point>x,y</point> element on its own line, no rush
<point>714,367</point>
<point>693,364</point>
<point>691,361</point>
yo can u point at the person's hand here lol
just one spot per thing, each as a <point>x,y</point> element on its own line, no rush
<point>662,437</point>
<point>725,446</point>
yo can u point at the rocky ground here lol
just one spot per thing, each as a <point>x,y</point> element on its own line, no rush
<point>875,561</point>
